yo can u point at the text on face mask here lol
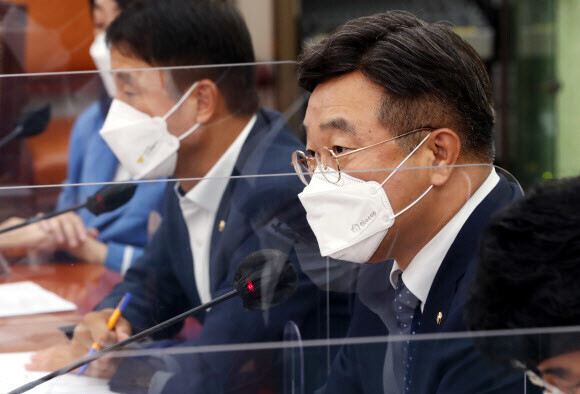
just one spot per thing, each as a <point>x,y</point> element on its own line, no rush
<point>356,227</point>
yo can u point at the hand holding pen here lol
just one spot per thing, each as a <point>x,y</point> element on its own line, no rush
<point>111,325</point>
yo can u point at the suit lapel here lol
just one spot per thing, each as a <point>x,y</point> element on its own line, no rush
<point>455,269</point>
<point>222,226</point>
<point>460,257</point>
<point>180,246</point>
<point>225,223</point>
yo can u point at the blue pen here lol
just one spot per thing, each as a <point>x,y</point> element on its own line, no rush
<point>111,324</point>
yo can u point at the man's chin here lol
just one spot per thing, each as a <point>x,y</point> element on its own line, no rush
<point>383,253</point>
<point>377,257</point>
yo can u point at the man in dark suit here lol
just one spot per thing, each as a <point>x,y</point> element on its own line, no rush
<point>210,225</point>
<point>390,91</point>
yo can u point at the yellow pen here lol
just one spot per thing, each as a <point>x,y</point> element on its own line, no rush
<point>111,324</point>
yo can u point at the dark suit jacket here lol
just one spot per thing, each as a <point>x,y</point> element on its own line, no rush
<point>435,366</point>
<point>258,213</point>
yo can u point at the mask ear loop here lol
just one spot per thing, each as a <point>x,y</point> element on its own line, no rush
<point>188,132</point>
<point>414,202</point>
<point>406,158</point>
<point>181,101</point>
<point>176,106</point>
<point>399,166</point>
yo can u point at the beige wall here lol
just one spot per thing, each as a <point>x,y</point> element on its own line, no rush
<point>259,16</point>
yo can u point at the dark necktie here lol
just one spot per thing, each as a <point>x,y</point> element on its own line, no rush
<point>405,305</point>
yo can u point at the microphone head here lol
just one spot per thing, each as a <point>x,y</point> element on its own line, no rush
<point>265,279</point>
<point>34,122</point>
<point>110,198</point>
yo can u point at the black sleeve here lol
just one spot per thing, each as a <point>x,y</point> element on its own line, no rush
<point>156,293</point>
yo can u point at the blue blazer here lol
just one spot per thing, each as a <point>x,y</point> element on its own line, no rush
<point>435,366</point>
<point>90,160</point>
<point>258,213</point>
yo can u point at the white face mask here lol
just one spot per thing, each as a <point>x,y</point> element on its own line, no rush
<point>350,218</point>
<point>143,145</point>
<point>101,54</point>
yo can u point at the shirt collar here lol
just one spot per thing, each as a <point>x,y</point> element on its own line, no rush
<point>420,273</point>
<point>208,192</point>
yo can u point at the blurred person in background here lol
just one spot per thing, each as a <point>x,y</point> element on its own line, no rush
<point>205,122</point>
<point>528,278</point>
<point>114,239</point>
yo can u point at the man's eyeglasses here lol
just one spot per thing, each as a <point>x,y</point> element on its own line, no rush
<point>327,161</point>
<point>534,376</point>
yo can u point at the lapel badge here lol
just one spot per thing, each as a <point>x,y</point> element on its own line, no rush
<point>222,225</point>
<point>439,318</point>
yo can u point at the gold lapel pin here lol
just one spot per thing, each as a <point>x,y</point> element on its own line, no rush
<point>222,225</point>
<point>439,318</point>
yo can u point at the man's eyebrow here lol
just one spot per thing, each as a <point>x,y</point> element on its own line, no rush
<point>124,76</point>
<point>338,124</point>
<point>560,372</point>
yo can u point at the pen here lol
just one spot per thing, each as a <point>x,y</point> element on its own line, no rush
<point>111,324</point>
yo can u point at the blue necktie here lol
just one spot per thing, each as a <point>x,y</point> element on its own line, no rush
<point>405,305</point>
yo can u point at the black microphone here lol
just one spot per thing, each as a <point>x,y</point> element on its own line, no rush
<point>106,199</point>
<point>110,198</point>
<point>30,124</point>
<point>263,279</point>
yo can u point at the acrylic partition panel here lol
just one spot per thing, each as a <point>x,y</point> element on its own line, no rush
<point>49,111</point>
<point>229,212</point>
<point>496,361</point>
<point>199,248</point>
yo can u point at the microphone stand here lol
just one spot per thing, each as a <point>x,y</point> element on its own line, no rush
<point>89,358</point>
<point>10,137</point>
<point>267,268</point>
<point>105,200</point>
<point>41,218</point>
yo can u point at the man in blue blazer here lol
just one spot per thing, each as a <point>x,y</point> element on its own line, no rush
<point>122,233</point>
<point>114,239</point>
<point>209,225</point>
<point>399,178</point>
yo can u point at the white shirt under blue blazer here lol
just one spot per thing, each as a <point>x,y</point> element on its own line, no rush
<point>90,160</point>
<point>254,213</point>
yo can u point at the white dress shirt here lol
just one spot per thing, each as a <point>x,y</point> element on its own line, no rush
<point>199,207</point>
<point>420,274</point>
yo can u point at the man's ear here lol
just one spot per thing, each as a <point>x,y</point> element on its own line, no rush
<point>445,147</point>
<point>205,97</point>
